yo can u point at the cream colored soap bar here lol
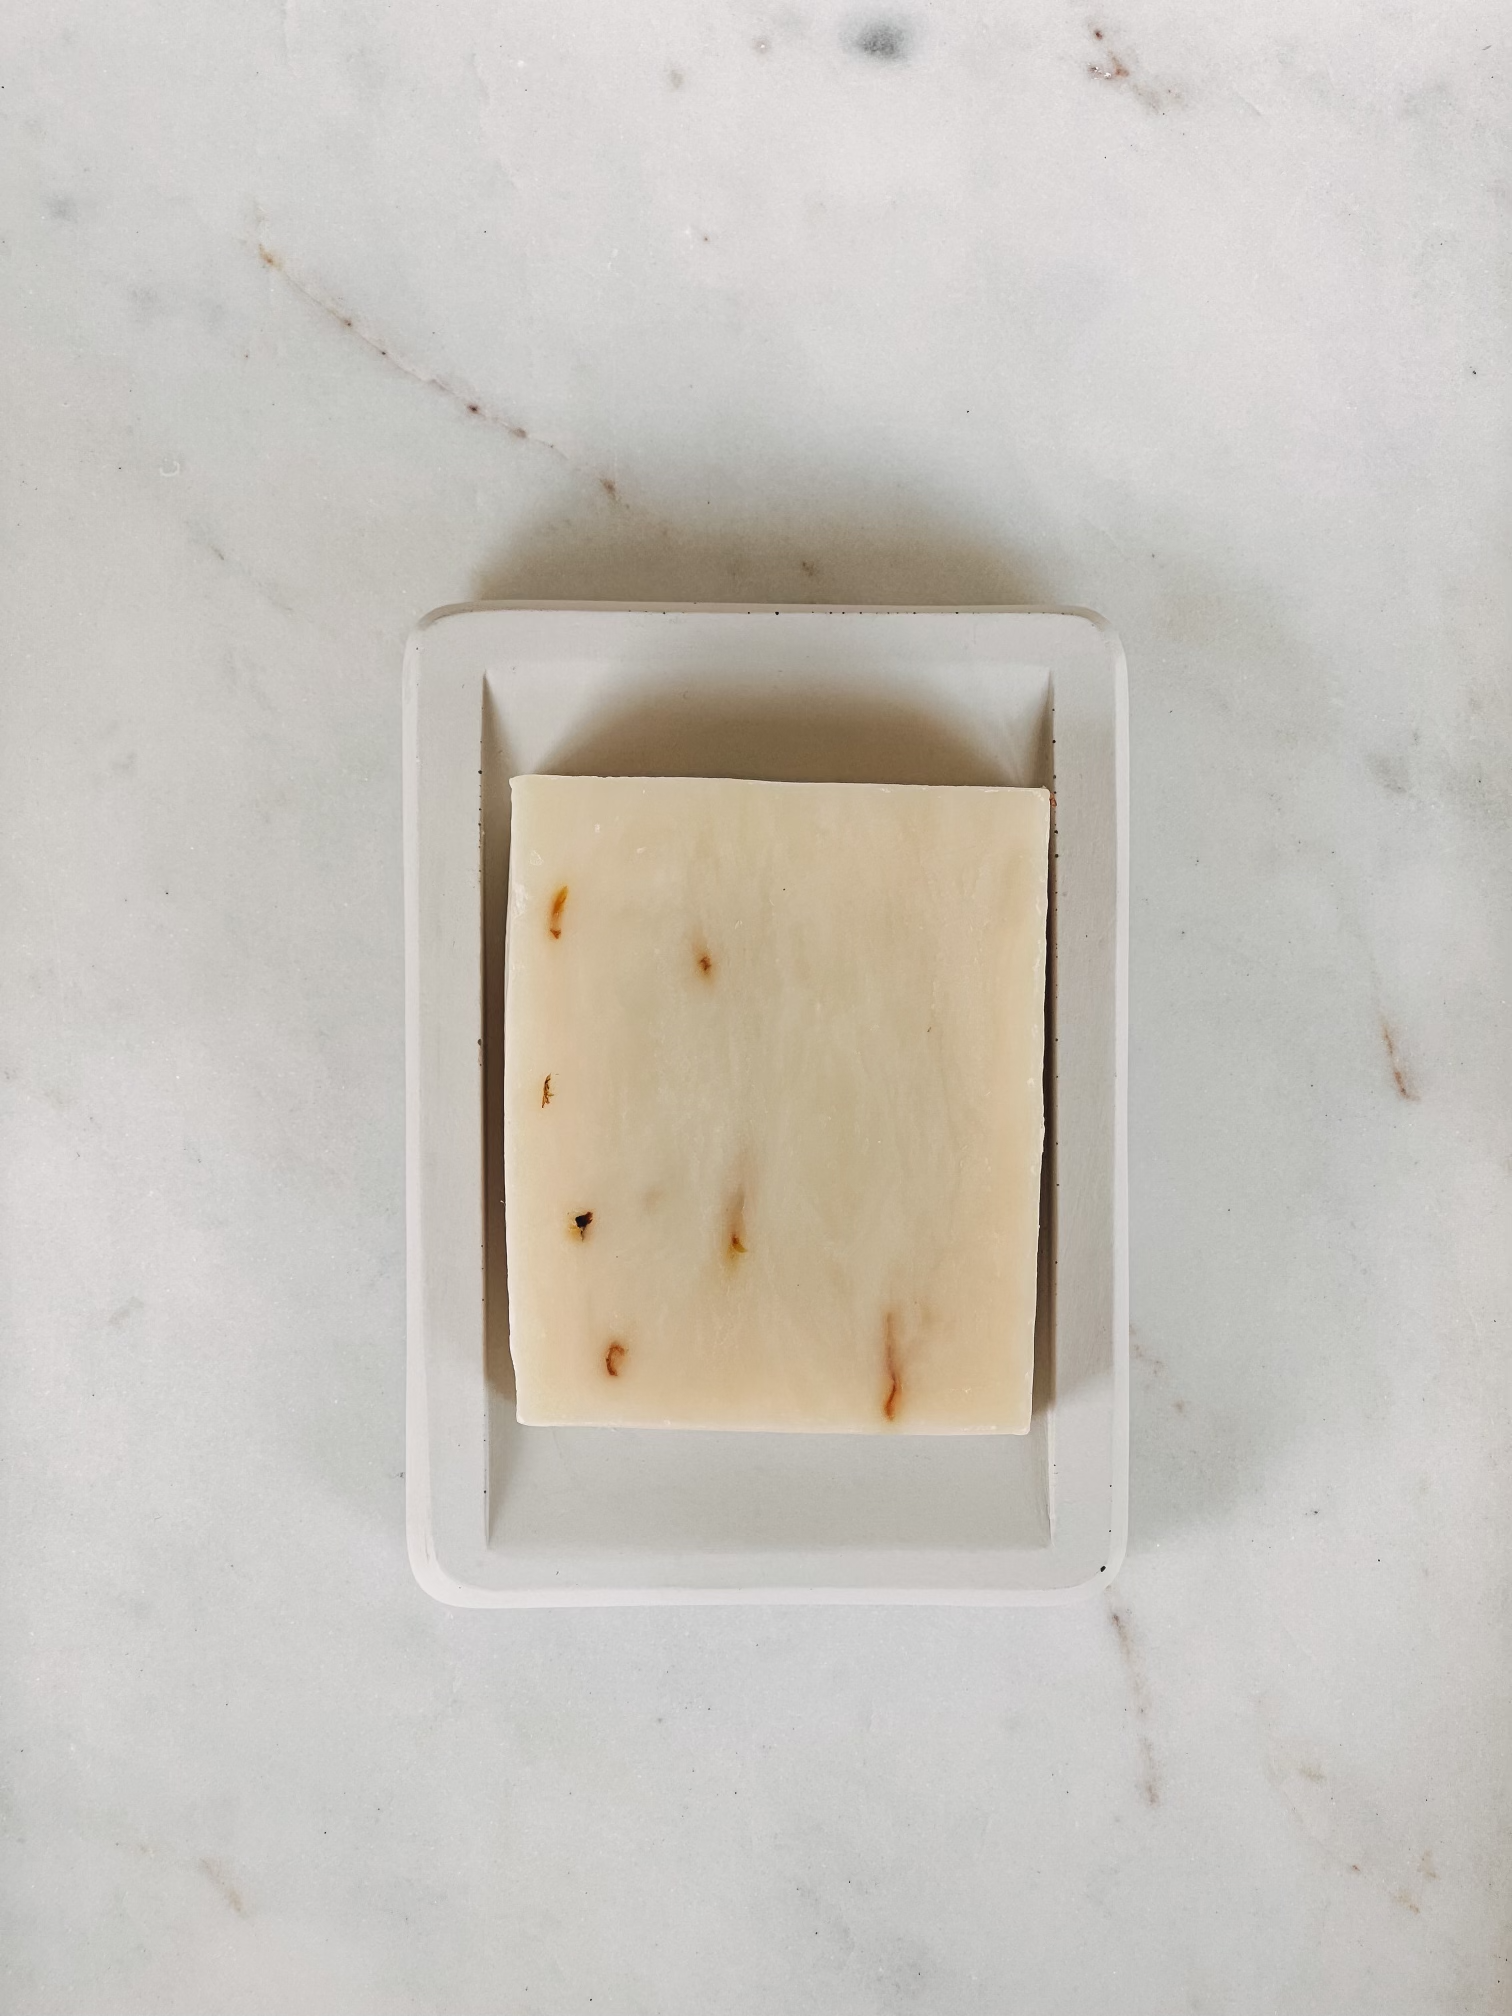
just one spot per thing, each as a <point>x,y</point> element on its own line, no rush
<point>773,1103</point>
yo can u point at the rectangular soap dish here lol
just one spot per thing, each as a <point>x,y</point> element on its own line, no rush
<point>503,1515</point>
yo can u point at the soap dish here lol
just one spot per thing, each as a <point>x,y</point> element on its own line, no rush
<point>500,1515</point>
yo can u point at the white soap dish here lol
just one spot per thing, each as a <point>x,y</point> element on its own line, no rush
<point>504,1515</point>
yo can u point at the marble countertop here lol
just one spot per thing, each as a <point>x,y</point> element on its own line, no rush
<point>317,315</point>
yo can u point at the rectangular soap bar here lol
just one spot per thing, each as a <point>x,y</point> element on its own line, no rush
<point>773,1103</point>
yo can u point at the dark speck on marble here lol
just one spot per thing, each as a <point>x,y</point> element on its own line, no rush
<point>885,41</point>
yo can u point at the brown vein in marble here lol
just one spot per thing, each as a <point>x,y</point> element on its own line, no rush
<point>1112,68</point>
<point>1404,1085</point>
<point>460,396</point>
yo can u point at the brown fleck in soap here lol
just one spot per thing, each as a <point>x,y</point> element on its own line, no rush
<point>842,1136</point>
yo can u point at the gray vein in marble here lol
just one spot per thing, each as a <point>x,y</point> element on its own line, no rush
<point>1345,1825</point>
<point>1139,1700</point>
<point>1153,1364</point>
<point>261,588</point>
<point>215,1872</point>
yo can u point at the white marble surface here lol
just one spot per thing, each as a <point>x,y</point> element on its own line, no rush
<point>1196,315</point>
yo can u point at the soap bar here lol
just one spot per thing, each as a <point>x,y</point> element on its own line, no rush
<point>773,1092</point>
